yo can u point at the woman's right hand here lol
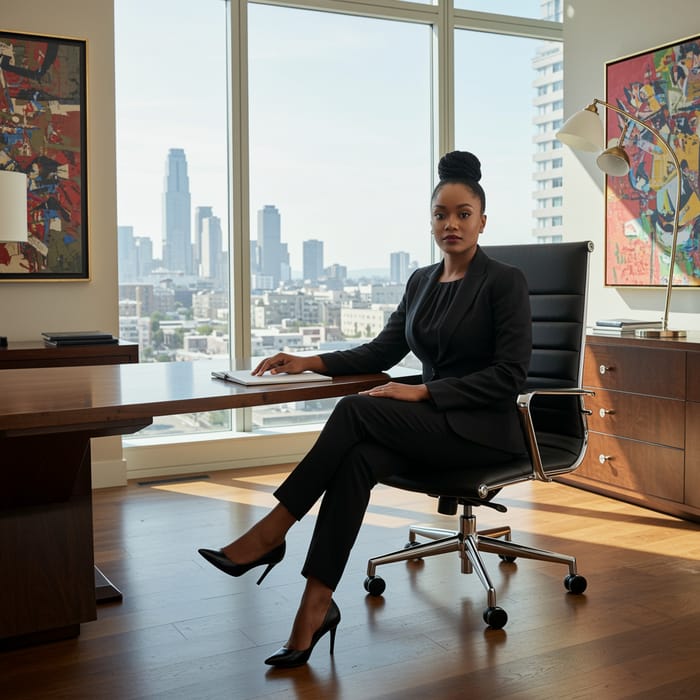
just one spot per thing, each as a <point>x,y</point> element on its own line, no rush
<point>291,364</point>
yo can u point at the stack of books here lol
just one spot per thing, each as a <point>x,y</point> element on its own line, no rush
<point>622,326</point>
<point>64,338</point>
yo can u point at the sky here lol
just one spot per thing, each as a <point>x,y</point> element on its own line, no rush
<point>339,145</point>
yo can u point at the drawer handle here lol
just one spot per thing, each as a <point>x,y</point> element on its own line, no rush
<point>606,412</point>
<point>604,458</point>
<point>605,368</point>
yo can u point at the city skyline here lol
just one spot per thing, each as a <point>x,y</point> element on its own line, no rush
<point>306,162</point>
<point>193,243</point>
<point>269,252</point>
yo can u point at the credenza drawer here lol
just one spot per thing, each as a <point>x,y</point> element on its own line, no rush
<point>638,417</point>
<point>693,380</point>
<point>637,466</point>
<point>636,369</point>
<point>692,455</point>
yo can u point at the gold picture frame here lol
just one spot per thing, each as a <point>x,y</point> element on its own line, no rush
<point>660,86</point>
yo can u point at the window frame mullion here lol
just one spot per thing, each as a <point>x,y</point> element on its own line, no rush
<point>239,196</point>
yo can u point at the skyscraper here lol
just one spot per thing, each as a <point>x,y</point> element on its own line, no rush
<point>126,253</point>
<point>398,263</point>
<point>313,260</point>
<point>274,257</point>
<point>200,213</point>
<point>212,256</point>
<point>177,239</point>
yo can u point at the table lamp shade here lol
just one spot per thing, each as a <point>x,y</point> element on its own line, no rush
<point>13,206</point>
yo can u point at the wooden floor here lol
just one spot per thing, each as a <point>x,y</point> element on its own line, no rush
<point>185,630</point>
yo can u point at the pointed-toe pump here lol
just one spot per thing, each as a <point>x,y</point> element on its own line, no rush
<point>290,658</point>
<point>222,562</point>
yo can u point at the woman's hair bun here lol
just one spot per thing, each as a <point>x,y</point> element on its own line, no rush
<point>459,165</point>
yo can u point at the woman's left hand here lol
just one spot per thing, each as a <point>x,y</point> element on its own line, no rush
<point>401,392</point>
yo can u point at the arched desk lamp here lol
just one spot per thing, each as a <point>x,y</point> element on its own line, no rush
<point>13,211</point>
<point>584,132</point>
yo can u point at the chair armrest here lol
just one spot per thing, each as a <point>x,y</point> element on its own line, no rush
<point>524,402</point>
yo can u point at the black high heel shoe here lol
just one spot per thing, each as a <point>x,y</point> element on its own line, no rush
<point>222,562</point>
<point>290,658</point>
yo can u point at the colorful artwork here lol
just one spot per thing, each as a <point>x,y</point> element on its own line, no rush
<point>661,87</point>
<point>43,134</point>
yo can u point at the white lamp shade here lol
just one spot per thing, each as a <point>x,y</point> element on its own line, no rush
<point>614,161</point>
<point>582,131</point>
<point>13,206</point>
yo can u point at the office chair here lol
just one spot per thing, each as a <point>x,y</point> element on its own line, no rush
<point>553,418</point>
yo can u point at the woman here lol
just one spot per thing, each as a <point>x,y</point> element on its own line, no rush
<point>467,319</point>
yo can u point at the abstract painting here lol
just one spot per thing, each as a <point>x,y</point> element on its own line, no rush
<point>43,134</point>
<point>661,87</point>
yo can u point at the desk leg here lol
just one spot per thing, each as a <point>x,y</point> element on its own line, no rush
<point>46,550</point>
<point>105,590</point>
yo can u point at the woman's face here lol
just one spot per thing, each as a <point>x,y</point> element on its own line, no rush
<point>457,219</point>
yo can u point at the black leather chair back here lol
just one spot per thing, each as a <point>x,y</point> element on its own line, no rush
<point>557,277</point>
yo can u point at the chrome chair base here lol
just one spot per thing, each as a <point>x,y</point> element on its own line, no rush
<point>469,543</point>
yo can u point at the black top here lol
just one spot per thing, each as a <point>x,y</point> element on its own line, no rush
<point>432,314</point>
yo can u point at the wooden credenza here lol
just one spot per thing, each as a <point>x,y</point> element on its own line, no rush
<point>644,439</point>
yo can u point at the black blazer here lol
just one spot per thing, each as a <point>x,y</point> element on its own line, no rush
<point>484,350</point>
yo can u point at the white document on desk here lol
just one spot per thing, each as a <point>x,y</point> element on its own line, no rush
<point>243,376</point>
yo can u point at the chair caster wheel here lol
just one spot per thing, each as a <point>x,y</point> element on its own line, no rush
<point>495,617</point>
<point>507,557</point>
<point>375,585</point>
<point>575,583</point>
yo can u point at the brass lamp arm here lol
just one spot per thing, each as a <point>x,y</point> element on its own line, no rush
<point>676,215</point>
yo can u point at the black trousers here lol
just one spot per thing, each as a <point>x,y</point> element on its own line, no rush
<point>364,439</point>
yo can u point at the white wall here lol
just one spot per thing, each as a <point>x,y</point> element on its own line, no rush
<point>27,308</point>
<point>596,31</point>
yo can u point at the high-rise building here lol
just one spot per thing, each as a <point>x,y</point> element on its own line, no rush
<point>211,265</point>
<point>144,256</point>
<point>273,254</point>
<point>200,213</point>
<point>548,197</point>
<point>313,260</point>
<point>135,255</point>
<point>336,275</point>
<point>126,253</point>
<point>177,239</point>
<point>398,264</point>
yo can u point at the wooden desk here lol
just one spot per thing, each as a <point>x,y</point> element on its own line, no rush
<point>47,418</point>
<point>36,353</point>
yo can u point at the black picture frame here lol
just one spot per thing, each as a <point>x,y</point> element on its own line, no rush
<point>43,133</point>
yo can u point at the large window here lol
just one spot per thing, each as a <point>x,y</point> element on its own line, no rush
<point>172,180</point>
<point>537,9</point>
<point>322,122</point>
<point>503,113</point>
<point>340,171</point>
